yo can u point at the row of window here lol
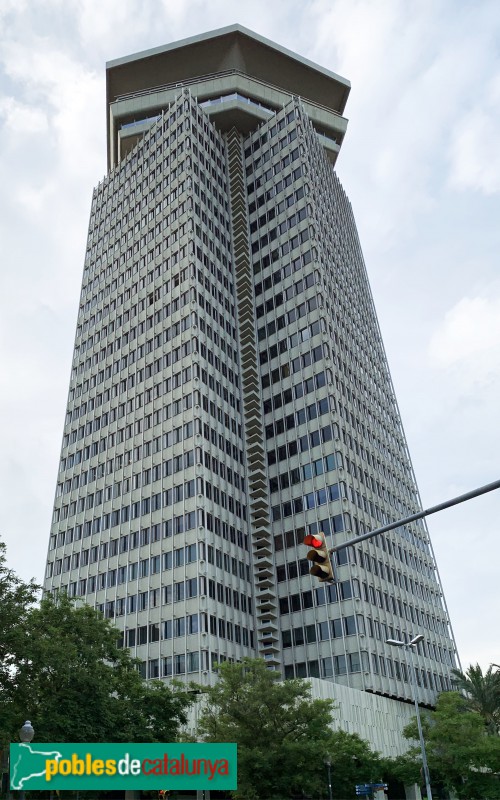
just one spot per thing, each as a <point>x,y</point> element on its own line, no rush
<point>170,383</point>
<point>278,299</point>
<point>121,435</point>
<point>186,626</point>
<point>295,392</point>
<point>113,346</point>
<point>216,386</point>
<point>271,151</point>
<point>343,590</point>
<point>107,255</point>
<point>277,169</point>
<point>303,443</point>
<point>228,596</point>
<point>169,262</point>
<point>225,472</point>
<point>384,600</point>
<point>147,505</point>
<point>216,315</point>
<point>168,411</point>
<point>331,667</point>
<point>224,445</point>
<point>375,597</point>
<point>130,406</point>
<point>169,467</point>
<point>279,255</point>
<point>280,229</point>
<point>286,343</point>
<point>264,219</point>
<point>129,314</point>
<point>180,664</point>
<point>154,533</point>
<point>312,469</point>
<point>212,264</point>
<point>150,598</point>
<point>331,525</point>
<point>212,225</point>
<point>165,529</point>
<point>306,414</point>
<point>310,500</point>
<point>328,525</point>
<point>220,415</point>
<point>322,631</point>
<point>261,135</point>
<point>133,570</point>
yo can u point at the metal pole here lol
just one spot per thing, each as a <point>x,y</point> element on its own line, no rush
<point>329,768</point>
<point>489,487</point>
<point>419,724</point>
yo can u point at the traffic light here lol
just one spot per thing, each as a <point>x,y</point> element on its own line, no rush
<point>322,567</point>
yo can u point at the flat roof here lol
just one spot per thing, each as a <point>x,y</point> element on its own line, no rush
<point>231,48</point>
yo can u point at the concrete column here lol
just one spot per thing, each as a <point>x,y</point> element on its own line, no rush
<point>412,792</point>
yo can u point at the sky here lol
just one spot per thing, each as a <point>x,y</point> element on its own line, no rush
<point>421,165</point>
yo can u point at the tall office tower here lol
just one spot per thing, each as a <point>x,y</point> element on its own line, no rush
<point>229,389</point>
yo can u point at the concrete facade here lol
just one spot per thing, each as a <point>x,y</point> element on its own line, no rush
<point>230,392</point>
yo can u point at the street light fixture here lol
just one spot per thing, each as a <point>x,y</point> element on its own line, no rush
<point>26,735</point>
<point>409,646</point>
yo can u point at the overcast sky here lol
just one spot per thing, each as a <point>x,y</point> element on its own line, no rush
<point>421,165</point>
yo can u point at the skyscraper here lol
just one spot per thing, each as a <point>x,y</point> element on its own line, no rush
<point>229,390</point>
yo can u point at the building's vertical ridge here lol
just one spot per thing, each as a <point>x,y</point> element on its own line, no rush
<point>262,546</point>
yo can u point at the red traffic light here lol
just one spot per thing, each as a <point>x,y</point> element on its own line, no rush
<point>314,540</point>
<point>319,555</point>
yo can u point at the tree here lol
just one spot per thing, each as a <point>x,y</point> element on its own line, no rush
<point>352,762</point>
<point>77,685</point>
<point>16,600</point>
<point>283,735</point>
<point>482,692</point>
<point>460,753</point>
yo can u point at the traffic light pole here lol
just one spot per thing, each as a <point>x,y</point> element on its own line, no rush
<point>462,498</point>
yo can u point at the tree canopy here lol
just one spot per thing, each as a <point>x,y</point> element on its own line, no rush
<point>482,693</point>
<point>284,736</point>
<point>61,667</point>
<point>460,753</point>
<point>16,601</point>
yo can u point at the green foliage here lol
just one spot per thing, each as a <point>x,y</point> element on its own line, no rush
<point>403,769</point>
<point>78,685</point>
<point>460,753</point>
<point>482,693</point>
<point>16,600</point>
<point>283,735</point>
<point>352,762</point>
<point>61,667</point>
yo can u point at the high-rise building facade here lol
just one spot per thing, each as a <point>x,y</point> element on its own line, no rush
<point>229,390</point>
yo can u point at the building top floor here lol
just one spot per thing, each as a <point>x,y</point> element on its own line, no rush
<point>239,76</point>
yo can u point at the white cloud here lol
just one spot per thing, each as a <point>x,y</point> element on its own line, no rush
<point>475,155</point>
<point>410,74</point>
<point>20,118</point>
<point>469,338</point>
